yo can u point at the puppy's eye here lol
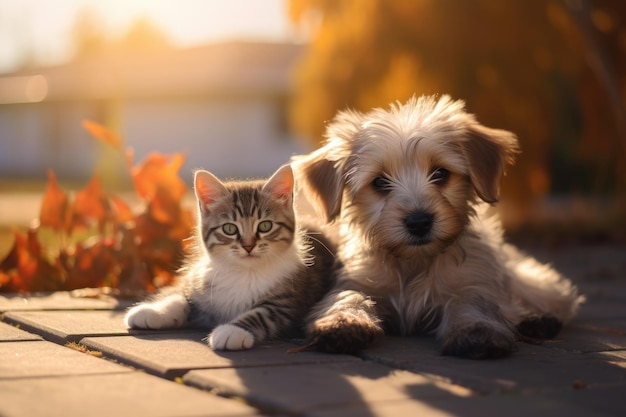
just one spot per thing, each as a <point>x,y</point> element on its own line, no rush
<point>381,184</point>
<point>439,176</point>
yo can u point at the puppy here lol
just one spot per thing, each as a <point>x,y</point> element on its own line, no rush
<point>407,192</point>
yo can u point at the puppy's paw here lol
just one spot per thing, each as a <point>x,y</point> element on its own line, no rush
<point>543,327</point>
<point>230,337</point>
<point>479,342</point>
<point>344,332</point>
<point>168,313</point>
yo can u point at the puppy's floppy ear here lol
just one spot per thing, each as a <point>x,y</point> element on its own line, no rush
<point>488,151</point>
<point>323,181</point>
<point>322,172</point>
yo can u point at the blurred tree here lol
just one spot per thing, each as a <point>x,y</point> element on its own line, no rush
<point>534,68</point>
<point>92,41</point>
<point>144,35</point>
<point>88,33</point>
<point>91,38</point>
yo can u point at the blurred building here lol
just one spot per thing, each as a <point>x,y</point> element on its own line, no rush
<point>224,105</point>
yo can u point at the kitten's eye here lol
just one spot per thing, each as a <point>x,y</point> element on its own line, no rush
<point>230,229</point>
<point>264,226</point>
<point>439,176</point>
<point>381,184</point>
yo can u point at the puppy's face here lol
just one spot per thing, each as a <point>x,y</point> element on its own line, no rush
<point>407,177</point>
<point>406,191</point>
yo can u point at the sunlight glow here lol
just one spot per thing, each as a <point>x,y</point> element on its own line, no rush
<point>42,31</point>
<point>23,89</point>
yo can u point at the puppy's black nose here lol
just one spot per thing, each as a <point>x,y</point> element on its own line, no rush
<point>418,224</point>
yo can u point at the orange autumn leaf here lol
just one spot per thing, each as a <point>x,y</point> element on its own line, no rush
<point>26,269</point>
<point>159,171</point>
<point>103,134</point>
<point>133,252</point>
<point>121,211</point>
<point>19,264</point>
<point>129,157</point>
<point>182,228</point>
<point>91,205</point>
<point>134,276</point>
<point>92,265</point>
<point>144,174</point>
<point>55,208</point>
<point>163,207</point>
<point>10,260</point>
<point>5,280</point>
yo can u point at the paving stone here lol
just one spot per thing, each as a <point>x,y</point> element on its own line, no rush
<point>593,400</point>
<point>126,394</point>
<point>601,308</point>
<point>69,326</point>
<point>615,358</point>
<point>582,372</point>
<point>601,291</point>
<point>10,333</point>
<point>531,368</point>
<point>300,388</point>
<point>478,406</point>
<point>383,409</point>
<point>44,359</point>
<point>585,263</point>
<point>592,336</point>
<point>63,300</point>
<point>171,355</point>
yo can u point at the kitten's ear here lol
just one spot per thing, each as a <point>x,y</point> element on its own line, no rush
<point>280,185</point>
<point>208,188</point>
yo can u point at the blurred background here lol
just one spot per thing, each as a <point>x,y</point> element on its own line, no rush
<point>241,85</point>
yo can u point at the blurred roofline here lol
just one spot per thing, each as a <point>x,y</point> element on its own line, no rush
<point>233,68</point>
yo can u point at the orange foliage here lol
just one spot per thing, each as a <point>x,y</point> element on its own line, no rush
<point>553,72</point>
<point>55,210</point>
<point>103,134</point>
<point>91,205</point>
<point>127,251</point>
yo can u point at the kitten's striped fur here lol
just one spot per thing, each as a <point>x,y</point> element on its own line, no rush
<point>254,273</point>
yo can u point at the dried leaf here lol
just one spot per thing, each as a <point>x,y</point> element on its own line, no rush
<point>55,208</point>
<point>120,210</point>
<point>181,229</point>
<point>92,266</point>
<point>10,260</point>
<point>103,134</point>
<point>159,171</point>
<point>163,207</point>
<point>129,157</point>
<point>91,205</point>
<point>143,252</point>
<point>26,269</point>
<point>134,277</point>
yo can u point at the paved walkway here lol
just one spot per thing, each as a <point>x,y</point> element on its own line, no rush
<point>65,355</point>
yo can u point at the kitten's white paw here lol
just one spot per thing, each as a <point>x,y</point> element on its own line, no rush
<point>171,312</point>
<point>229,337</point>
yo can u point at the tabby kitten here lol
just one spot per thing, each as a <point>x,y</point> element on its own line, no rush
<point>254,274</point>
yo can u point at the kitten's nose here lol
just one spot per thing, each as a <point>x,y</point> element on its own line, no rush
<point>418,224</point>
<point>249,248</point>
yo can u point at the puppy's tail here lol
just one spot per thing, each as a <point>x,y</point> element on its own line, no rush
<point>539,290</point>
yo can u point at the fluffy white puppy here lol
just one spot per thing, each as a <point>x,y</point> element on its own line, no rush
<point>407,192</point>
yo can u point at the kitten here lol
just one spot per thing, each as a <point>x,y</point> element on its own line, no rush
<point>254,274</point>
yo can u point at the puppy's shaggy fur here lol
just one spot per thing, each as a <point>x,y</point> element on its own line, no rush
<point>407,191</point>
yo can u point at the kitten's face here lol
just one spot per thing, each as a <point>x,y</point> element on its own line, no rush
<point>246,222</point>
